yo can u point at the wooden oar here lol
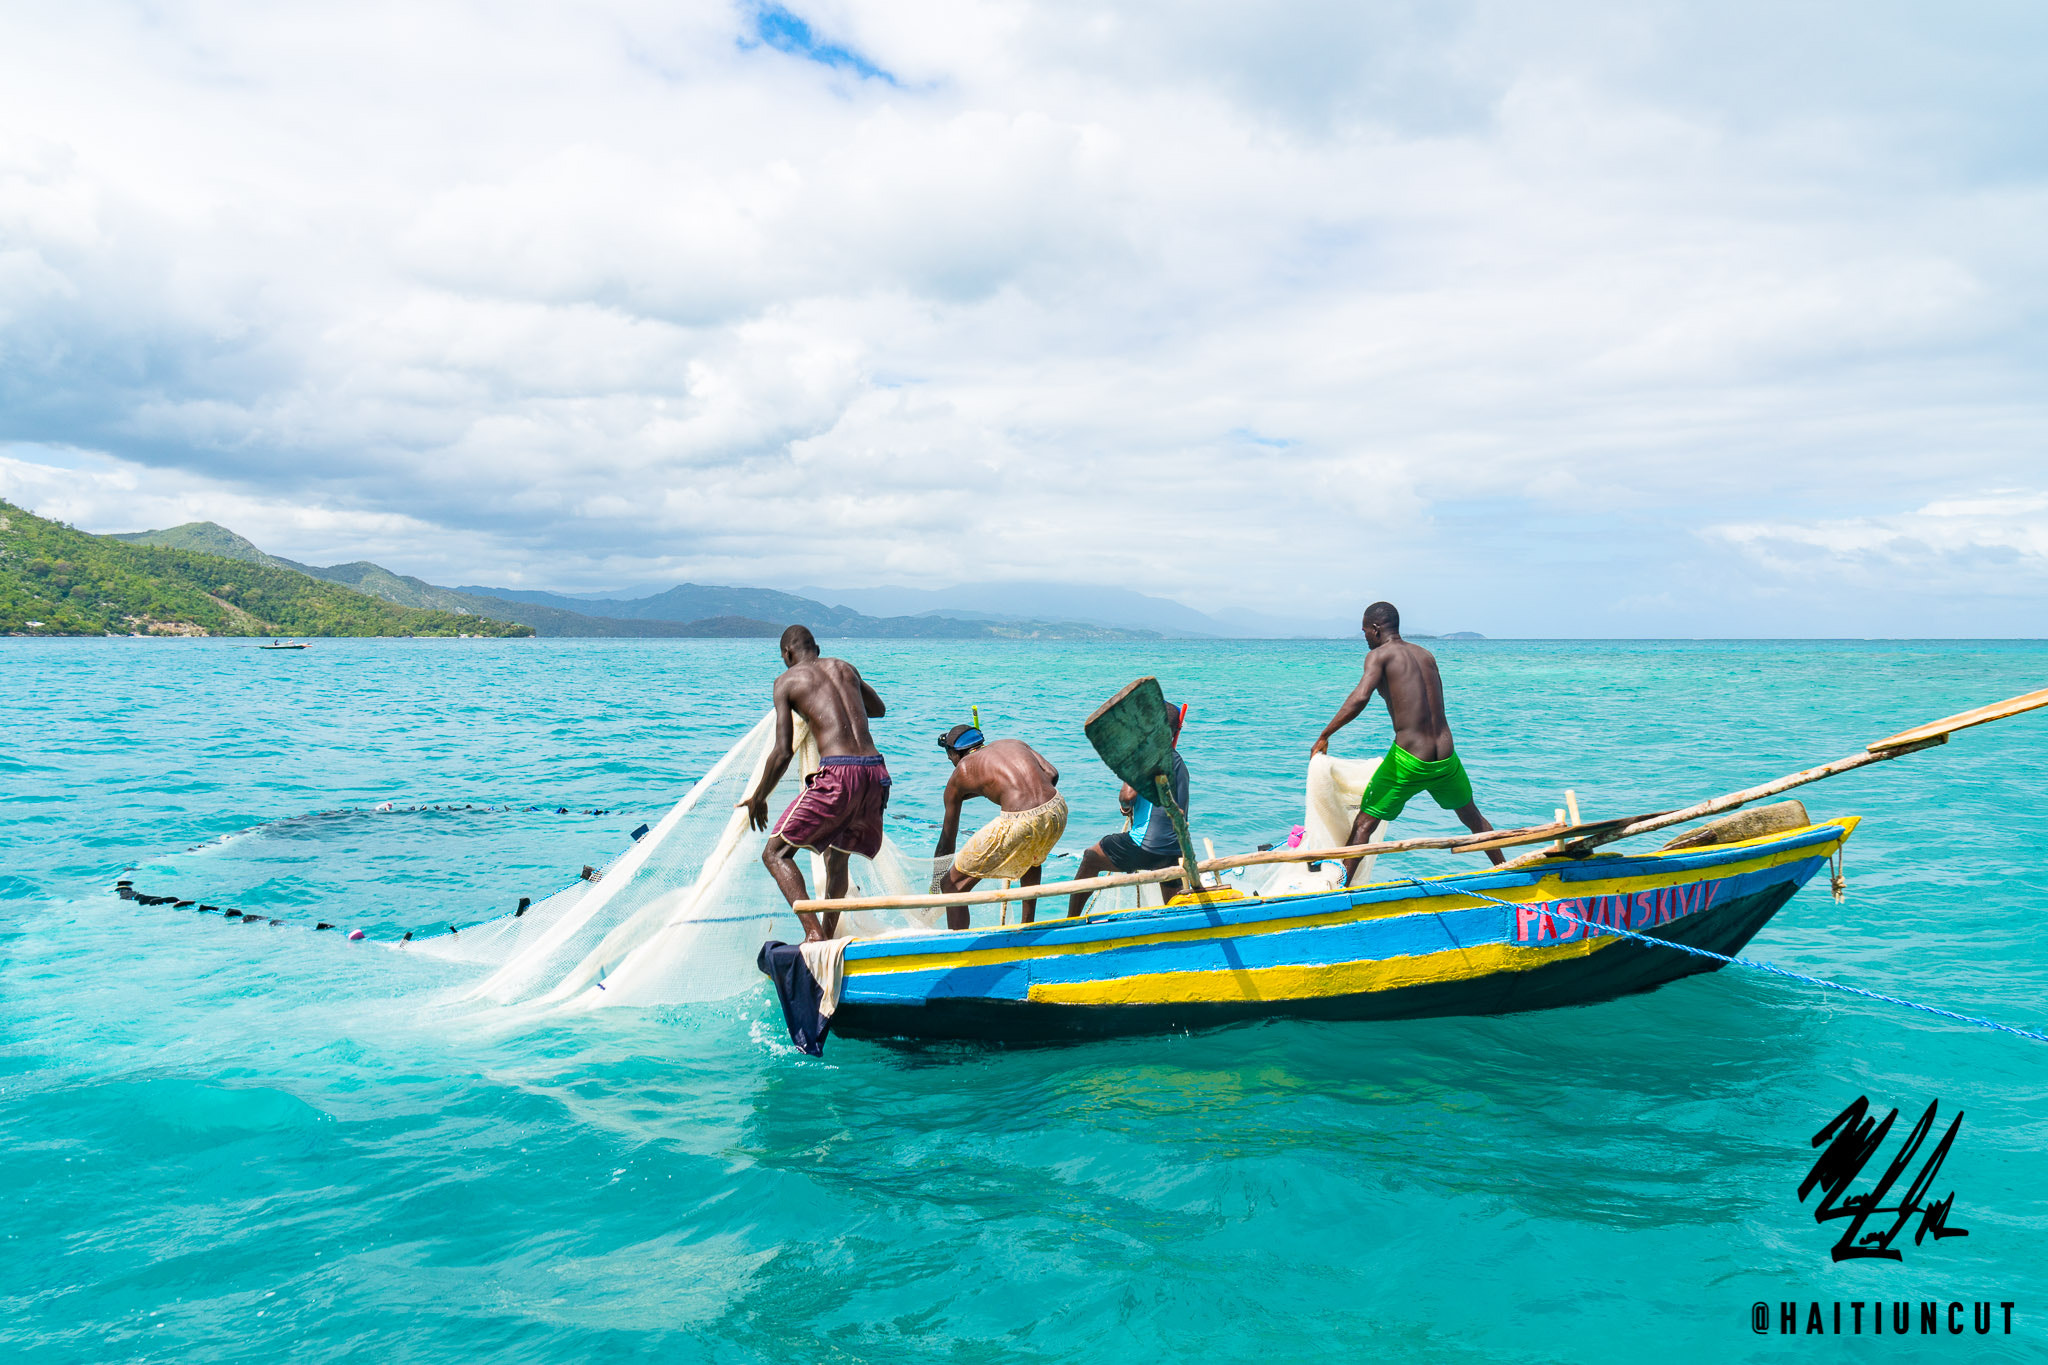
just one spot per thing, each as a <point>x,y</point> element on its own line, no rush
<point>1133,734</point>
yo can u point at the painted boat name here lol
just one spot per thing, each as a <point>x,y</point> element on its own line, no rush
<point>1541,921</point>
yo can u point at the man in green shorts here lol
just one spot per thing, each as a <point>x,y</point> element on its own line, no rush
<point>1422,757</point>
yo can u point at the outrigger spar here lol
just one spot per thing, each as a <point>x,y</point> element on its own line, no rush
<point>1567,924</point>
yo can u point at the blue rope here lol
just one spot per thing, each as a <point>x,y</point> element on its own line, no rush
<point>1753,964</point>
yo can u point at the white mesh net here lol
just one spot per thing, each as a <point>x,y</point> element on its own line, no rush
<point>679,917</point>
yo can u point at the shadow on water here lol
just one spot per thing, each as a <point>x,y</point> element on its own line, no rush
<point>1578,1113</point>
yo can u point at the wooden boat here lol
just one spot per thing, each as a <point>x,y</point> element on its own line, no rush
<point>1524,936</point>
<point>1392,950</point>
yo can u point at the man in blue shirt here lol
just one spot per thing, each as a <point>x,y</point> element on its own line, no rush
<point>1150,842</point>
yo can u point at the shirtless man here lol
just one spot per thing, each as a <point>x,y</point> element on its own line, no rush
<point>839,811</point>
<point>1422,757</point>
<point>1014,845</point>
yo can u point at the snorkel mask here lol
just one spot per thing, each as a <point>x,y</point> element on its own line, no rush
<point>961,739</point>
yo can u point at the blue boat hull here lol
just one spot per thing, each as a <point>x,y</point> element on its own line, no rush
<point>1392,951</point>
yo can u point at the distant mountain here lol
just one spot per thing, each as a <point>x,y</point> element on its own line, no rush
<point>55,580</point>
<point>553,621</point>
<point>404,590</point>
<point>696,601</point>
<point>379,581</point>
<point>1090,603</point>
<point>693,610</point>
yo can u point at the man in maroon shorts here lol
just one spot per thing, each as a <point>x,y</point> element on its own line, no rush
<point>839,811</point>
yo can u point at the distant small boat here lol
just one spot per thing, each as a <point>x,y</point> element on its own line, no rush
<point>281,644</point>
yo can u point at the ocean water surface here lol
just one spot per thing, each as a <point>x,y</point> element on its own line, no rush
<point>229,1143</point>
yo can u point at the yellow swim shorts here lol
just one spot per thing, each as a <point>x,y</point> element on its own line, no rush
<point>1014,842</point>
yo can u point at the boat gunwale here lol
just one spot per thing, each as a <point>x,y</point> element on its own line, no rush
<point>1105,930</point>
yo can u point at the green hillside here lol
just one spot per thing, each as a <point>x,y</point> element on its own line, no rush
<point>406,591</point>
<point>66,582</point>
<point>205,537</point>
<point>402,589</point>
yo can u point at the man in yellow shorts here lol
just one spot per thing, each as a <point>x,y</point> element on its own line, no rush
<point>1422,757</point>
<point>1016,843</point>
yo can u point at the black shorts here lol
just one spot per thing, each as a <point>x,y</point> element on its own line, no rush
<point>1127,855</point>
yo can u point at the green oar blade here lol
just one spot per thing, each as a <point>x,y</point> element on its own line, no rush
<point>1132,733</point>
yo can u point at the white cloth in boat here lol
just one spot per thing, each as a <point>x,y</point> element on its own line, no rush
<point>1335,787</point>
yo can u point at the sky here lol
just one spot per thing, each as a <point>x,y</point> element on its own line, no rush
<point>1598,319</point>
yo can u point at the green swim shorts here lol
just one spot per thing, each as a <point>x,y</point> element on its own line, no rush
<point>1401,775</point>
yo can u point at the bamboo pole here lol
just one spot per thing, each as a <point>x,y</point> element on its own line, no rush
<point>1720,804</point>
<point>1981,715</point>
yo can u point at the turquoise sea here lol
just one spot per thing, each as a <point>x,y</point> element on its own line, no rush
<point>228,1143</point>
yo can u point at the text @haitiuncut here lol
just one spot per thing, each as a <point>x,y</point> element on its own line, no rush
<point>1810,1317</point>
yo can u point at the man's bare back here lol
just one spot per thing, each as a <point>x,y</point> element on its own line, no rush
<point>1406,678</point>
<point>834,700</point>
<point>1008,772</point>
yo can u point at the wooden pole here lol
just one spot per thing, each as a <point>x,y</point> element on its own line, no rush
<point>1180,831</point>
<point>1720,804</point>
<point>1948,725</point>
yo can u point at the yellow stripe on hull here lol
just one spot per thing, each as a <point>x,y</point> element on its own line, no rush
<point>1309,981</point>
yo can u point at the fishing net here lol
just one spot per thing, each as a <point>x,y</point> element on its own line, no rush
<point>679,916</point>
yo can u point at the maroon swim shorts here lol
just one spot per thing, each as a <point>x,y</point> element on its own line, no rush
<point>840,807</point>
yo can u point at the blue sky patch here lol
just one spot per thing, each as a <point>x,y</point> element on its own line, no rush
<point>785,31</point>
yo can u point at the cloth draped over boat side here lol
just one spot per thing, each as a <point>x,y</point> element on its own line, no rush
<point>827,961</point>
<point>809,979</point>
<point>798,990</point>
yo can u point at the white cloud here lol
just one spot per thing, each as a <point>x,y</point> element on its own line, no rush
<point>1995,543</point>
<point>623,293</point>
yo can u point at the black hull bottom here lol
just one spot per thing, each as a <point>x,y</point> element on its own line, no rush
<point>1623,968</point>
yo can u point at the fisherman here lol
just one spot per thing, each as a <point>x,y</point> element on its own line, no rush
<point>1149,843</point>
<point>1422,757</point>
<point>1014,845</point>
<point>839,811</point>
